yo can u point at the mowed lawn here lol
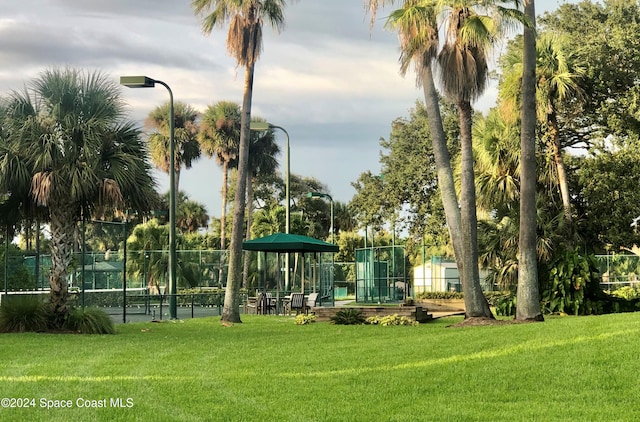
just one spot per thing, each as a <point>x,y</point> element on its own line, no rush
<point>269,369</point>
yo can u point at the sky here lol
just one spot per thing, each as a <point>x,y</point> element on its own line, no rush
<point>329,80</point>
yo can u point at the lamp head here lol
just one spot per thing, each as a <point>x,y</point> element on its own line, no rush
<point>137,81</point>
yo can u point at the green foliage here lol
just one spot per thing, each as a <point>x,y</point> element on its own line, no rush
<point>440,295</point>
<point>394,319</point>
<point>90,321</point>
<point>504,303</point>
<point>302,319</point>
<point>348,316</point>
<point>626,292</point>
<point>565,287</point>
<point>24,313</point>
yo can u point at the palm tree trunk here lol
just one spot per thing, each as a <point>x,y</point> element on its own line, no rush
<point>528,296</point>
<point>560,168</point>
<point>223,210</point>
<point>247,254</point>
<point>476,305</point>
<point>443,164</point>
<point>223,218</point>
<point>177,181</point>
<point>62,230</point>
<point>231,309</point>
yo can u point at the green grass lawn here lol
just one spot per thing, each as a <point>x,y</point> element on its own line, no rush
<point>269,369</point>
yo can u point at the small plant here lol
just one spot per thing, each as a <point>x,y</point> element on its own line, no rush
<point>391,320</point>
<point>348,316</point>
<point>24,313</point>
<point>626,292</point>
<point>90,321</point>
<point>302,319</point>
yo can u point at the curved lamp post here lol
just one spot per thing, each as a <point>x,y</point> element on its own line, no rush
<point>146,82</point>
<point>261,127</point>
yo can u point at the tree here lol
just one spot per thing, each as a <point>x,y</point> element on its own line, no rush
<point>244,43</point>
<point>219,137</point>
<point>611,86</point>
<point>557,81</point>
<point>71,149</point>
<point>185,133</point>
<point>191,215</point>
<point>471,29</point>
<point>528,299</point>
<point>464,70</point>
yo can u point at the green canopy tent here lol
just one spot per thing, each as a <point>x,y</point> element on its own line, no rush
<point>292,243</point>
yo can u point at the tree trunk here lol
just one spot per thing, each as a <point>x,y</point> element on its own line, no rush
<point>231,309</point>
<point>223,218</point>
<point>443,164</point>
<point>528,296</point>
<point>247,254</point>
<point>476,305</point>
<point>62,227</point>
<point>448,193</point>
<point>223,210</point>
<point>560,168</point>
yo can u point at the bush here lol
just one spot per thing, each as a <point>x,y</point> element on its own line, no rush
<point>24,313</point>
<point>626,292</point>
<point>90,321</point>
<point>391,320</point>
<point>505,303</point>
<point>348,316</point>
<point>302,319</point>
<point>440,295</point>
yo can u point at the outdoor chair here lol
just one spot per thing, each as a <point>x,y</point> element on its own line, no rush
<point>265,303</point>
<point>297,302</point>
<point>311,302</point>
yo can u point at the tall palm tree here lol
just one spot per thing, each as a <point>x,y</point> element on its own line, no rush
<point>71,150</point>
<point>244,43</point>
<point>219,137</point>
<point>185,135</point>
<point>528,295</point>
<point>557,80</point>
<point>464,71</point>
<point>472,27</point>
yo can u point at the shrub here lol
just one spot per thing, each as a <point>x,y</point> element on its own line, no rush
<point>90,321</point>
<point>24,313</point>
<point>626,292</point>
<point>348,316</point>
<point>391,320</point>
<point>440,295</point>
<point>505,304</point>
<point>302,319</point>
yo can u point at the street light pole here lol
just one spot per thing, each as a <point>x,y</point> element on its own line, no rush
<point>146,82</point>
<point>262,126</point>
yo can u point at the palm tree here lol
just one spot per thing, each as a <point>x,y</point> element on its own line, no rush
<point>417,26</point>
<point>528,295</point>
<point>185,136</point>
<point>70,149</point>
<point>191,215</point>
<point>557,78</point>
<point>219,137</point>
<point>472,27</point>
<point>244,43</point>
<point>268,221</point>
